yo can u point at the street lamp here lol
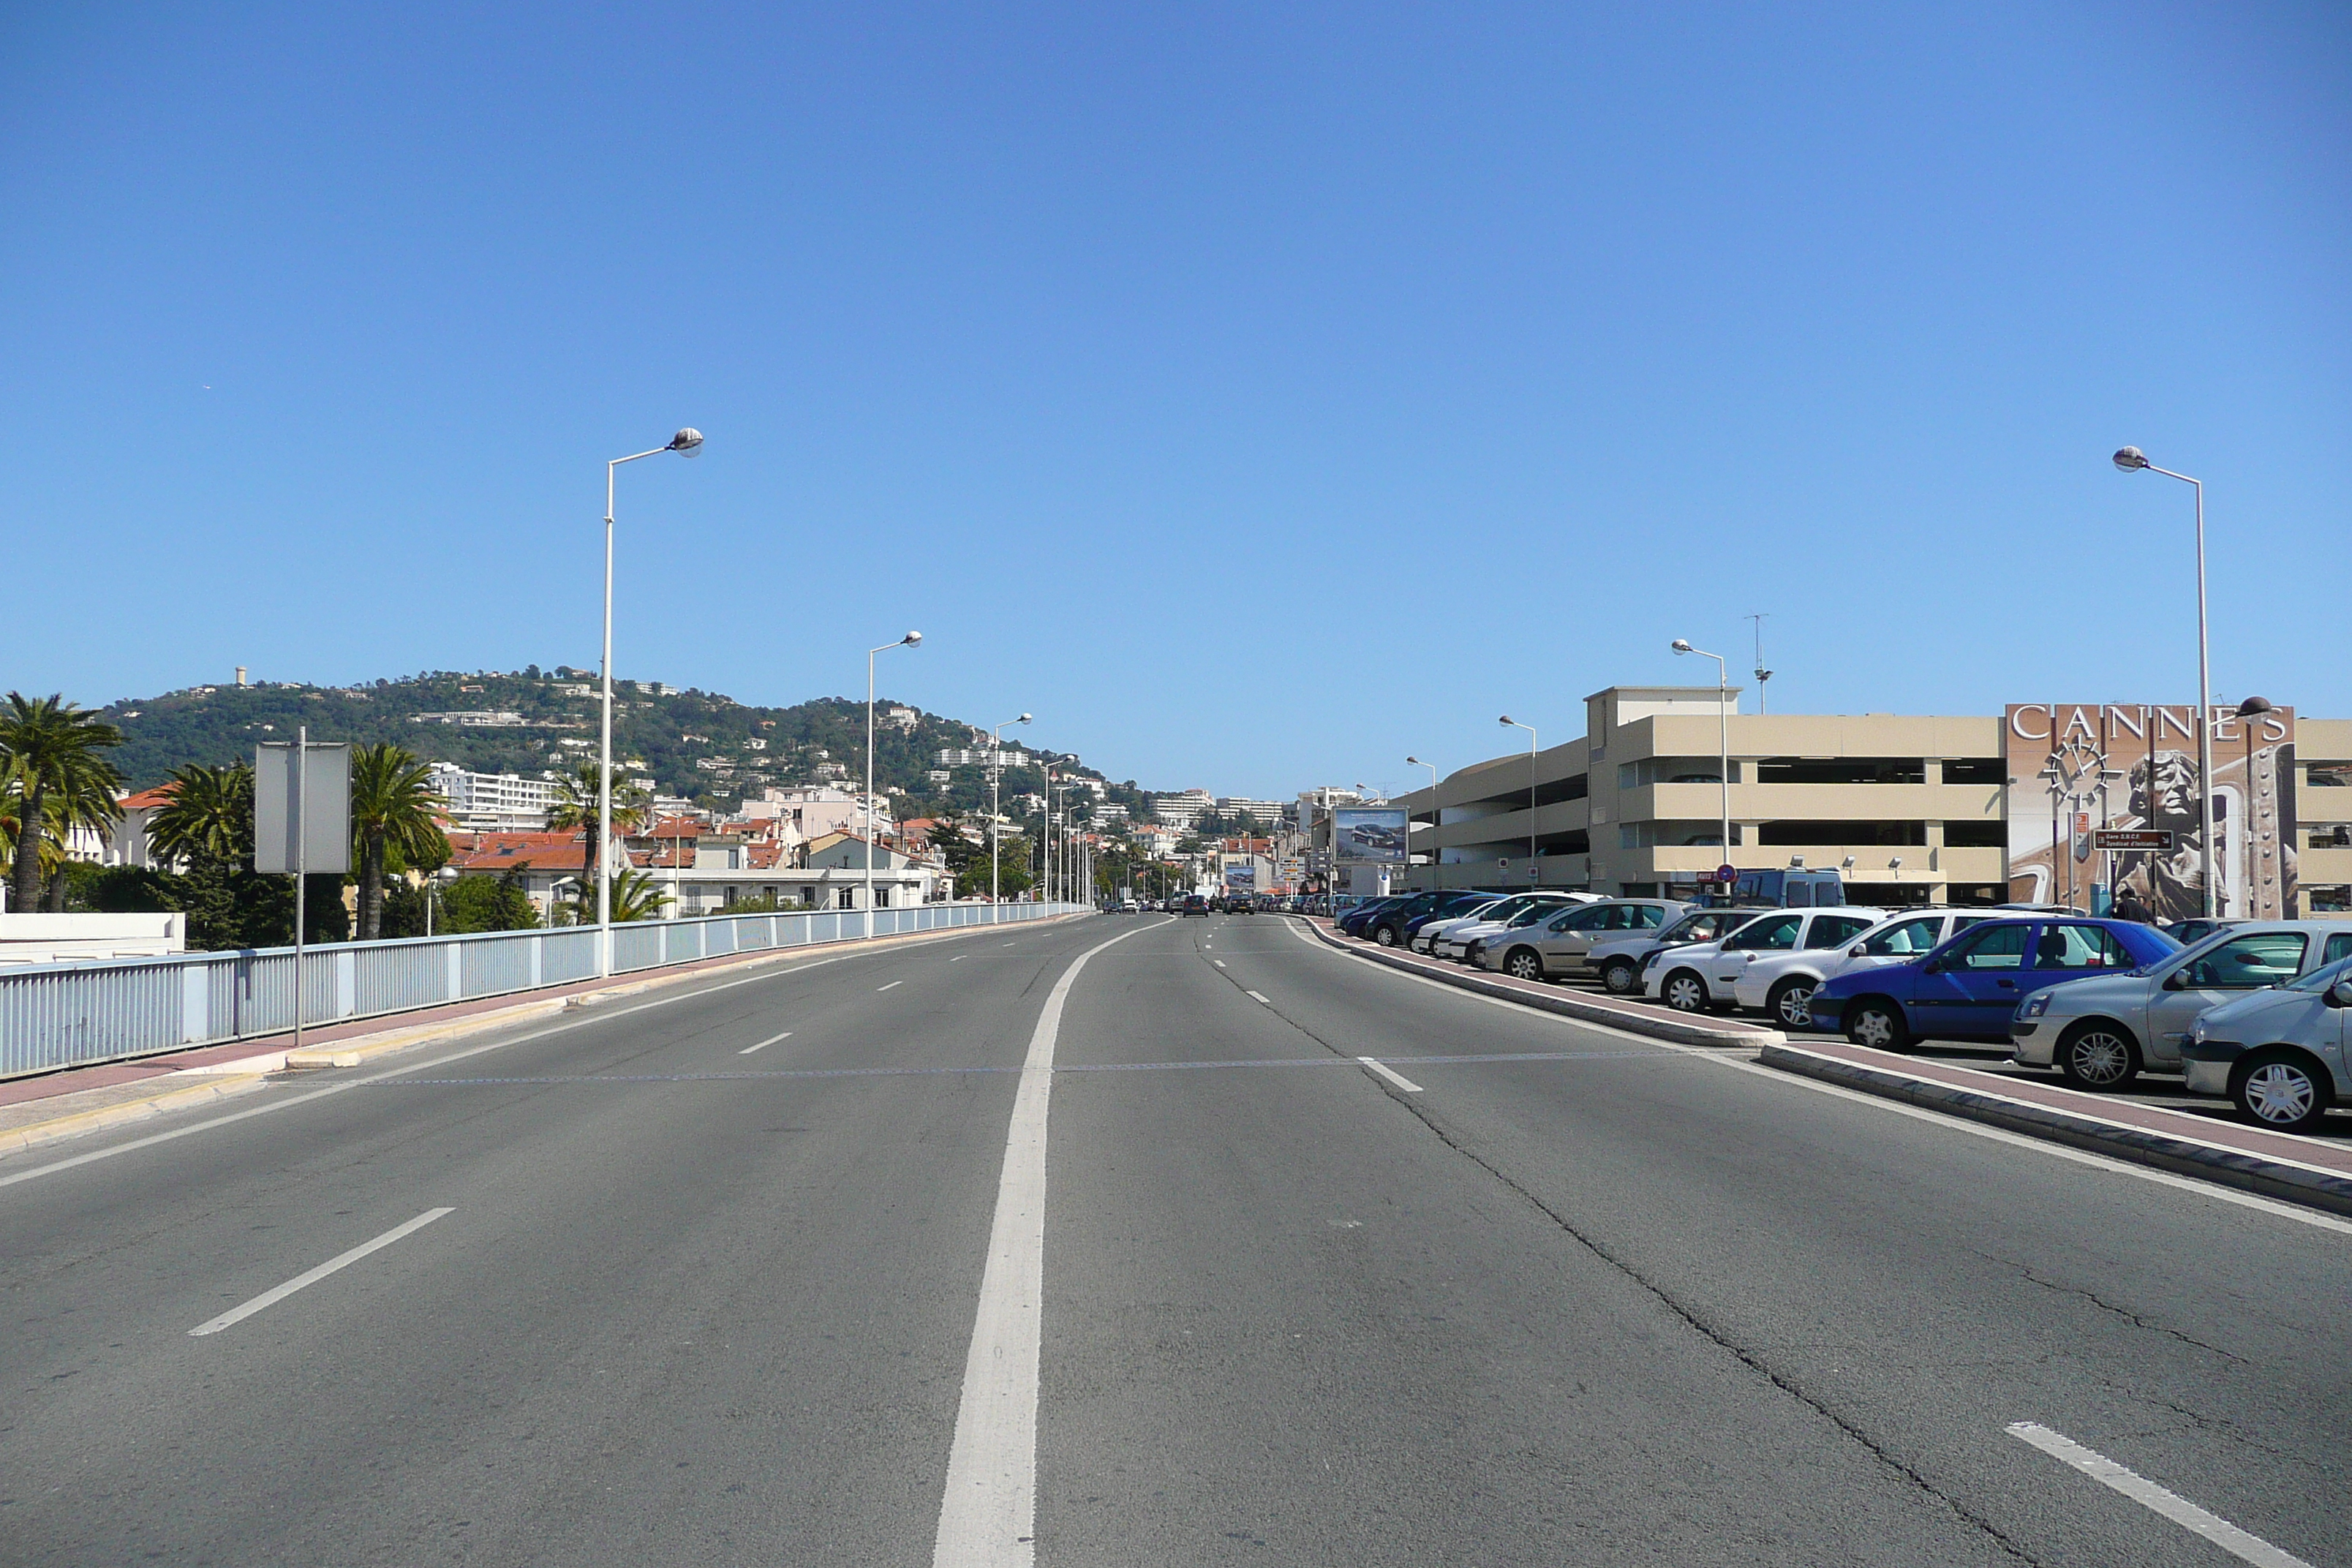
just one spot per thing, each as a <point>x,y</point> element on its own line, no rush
<point>1417,763</point>
<point>912,639</point>
<point>1723,716</point>
<point>995,772</point>
<point>685,443</point>
<point>2252,707</point>
<point>2131,459</point>
<point>1531,729</point>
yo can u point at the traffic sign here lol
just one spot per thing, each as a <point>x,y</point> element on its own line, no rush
<point>2131,837</point>
<point>1726,873</point>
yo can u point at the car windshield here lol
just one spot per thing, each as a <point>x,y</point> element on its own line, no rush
<point>2319,980</point>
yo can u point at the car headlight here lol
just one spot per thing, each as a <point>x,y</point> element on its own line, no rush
<point>1652,961</point>
<point>2197,1032</point>
<point>2035,1006</point>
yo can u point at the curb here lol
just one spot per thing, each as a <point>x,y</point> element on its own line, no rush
<point>1567,1003</point>
<point>2268,1176</point>
<point>220,1079</point>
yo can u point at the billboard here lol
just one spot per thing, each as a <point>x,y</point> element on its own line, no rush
<point>2105,794</point>
<point>1367,834</point>
<point>1241,877</point>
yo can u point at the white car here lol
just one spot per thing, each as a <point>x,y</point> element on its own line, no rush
<point>1782,983</point>
<point>1519,909</point>
<point>1704,976</point>
<point>1618,957</point>
<point>1425,939</point>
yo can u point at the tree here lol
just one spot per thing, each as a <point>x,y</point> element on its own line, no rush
<point>489,903</point>
<point>393,808</point>
<point>50,746</point>
<point>576,806</point>
<point>635,897</point>
<point>209,817</point>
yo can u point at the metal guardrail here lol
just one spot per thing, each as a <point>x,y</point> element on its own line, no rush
<point>73,1014</point>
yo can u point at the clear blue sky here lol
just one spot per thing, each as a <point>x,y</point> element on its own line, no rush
<point>1257,392</point>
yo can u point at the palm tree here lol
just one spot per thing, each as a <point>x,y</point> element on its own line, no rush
<point>575,807</point>
<point>393,807</point>
<point>208,817</point>
<point>82,797</point>
<point>46,742</point>
<point>635,897</point>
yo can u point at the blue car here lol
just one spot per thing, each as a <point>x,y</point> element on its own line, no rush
<point>1446,909</point>
<point>1967,988</point>
<point>1352,923</point>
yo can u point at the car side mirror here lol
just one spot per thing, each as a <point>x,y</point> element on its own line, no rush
<point>1933,966</point>
<point>2177,980</point>
<point>1855,951</point>
<point>2340,993</point>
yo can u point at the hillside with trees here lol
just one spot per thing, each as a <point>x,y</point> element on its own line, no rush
<point>701,746</point>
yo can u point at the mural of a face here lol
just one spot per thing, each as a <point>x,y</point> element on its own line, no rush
<point>2175,791</point>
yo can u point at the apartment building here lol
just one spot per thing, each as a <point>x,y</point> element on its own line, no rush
<point>1911,809</point>
<point>493,803</point>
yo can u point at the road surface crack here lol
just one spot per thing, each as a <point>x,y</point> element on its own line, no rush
<point>2136,1320</point>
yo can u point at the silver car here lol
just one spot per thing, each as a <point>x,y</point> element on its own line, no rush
<point>1703,976</point>
<point>2102,1031</point>
<point>1618,956</point>
<point>2280,1054</point>
<point>1425,939</point>
<point>1561,946</point>
<point>1464,942</point>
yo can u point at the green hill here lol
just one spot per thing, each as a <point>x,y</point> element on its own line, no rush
<point>699,744</point>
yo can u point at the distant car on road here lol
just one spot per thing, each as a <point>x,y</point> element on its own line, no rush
<point>2102,1032</point>
<point>1192,904</point>
<point>1970,987</point>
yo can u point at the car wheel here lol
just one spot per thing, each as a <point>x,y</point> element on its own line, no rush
<point>2098,1057</point>
<point>1524,963</point>
<point>2282,1091</point>
<point>1876,1024</point>
<point>1619,978</point>
<point>1683,992</point>
<point>1385,935</point>
<point>1791,1003</point>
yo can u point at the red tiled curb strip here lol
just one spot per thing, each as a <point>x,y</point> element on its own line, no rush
<point>2272,1164</point>
<point>1553,999</point>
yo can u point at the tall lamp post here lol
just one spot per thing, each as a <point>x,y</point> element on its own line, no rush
<point>2251,708</point>
<point>1723,719</point>
<point>912,639</point>
<point>995,772</point>
<point>1417,763</point>
<point>1531,729</point>
<point>2131,459</point>
<point>685,443</point>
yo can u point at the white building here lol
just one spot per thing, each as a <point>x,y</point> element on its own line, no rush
<point>494,803</point>
<point>1181,811</point>
<point>1265,813</point>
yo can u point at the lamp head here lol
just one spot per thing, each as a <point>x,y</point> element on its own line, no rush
<point>688,441</point>
<point>912,639</point>
<point>1506,718</point>
<point>1023,720</point>
<point>1414,762</point>
<point>2253,705</point>
<point>2131,459</point>
<point>1680,646</point>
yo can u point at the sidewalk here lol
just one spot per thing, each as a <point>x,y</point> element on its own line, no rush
<point>1659,1022</point>
<point>75,1101</point>
<point>2312,1171</point>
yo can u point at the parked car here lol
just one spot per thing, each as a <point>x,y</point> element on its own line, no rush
<point>1705,975</point>
<point>1387,927</point>
<point>1351,923</point>
<point>1618,956</point>
<point>2189,933</point>
<point>1461,903</point>
<point>1969,988</point>
<point>2280,1053</point>
<point>2101,1033</point>
<point>1780,986</point>
<point>1192,904</point>
<point>1425,939</point>
<point>1559,946</point>
<point>1517,910</point>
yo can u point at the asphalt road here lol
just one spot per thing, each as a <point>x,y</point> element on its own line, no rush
<point>1607,1302</point>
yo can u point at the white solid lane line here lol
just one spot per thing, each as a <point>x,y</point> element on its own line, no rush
<point>879,989</point>
<point>958,958</point>
<point>763,1045</point>
<point>2237,1543</point>
<point>271,1298</point>
<point>1260,996</point>
<point>1397,1079</point>
<point>988,1515</point>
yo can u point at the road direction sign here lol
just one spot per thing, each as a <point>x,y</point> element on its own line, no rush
<point>2131,838</point>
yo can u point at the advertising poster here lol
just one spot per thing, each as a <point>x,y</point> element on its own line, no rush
<point>2084,774</point>
<point>1241,879</point>
<point>1367,834</point>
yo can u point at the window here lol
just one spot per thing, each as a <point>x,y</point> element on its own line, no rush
<point>1975,771</point>
<point>1649,917</point>
<point>808,897</point>
<point>2339,947</point>
<point>1830,835</point>
<point>1840,770</point>
<point>1991,947</point>
<point>2331,835</point>
<point>1976,836</point>
<point>2248,962</point>
<point>2323,898</point>
<point>1569,788</point>
<point>2329,775</point>
<point>2069,946</point>
<point>1673,769</point>
<point>1587,917</point>
<point>844,902</point>
<point>1904,939</point>
<point>1830,931</point>
<point>882,897</point>
<point>1774,933</point>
